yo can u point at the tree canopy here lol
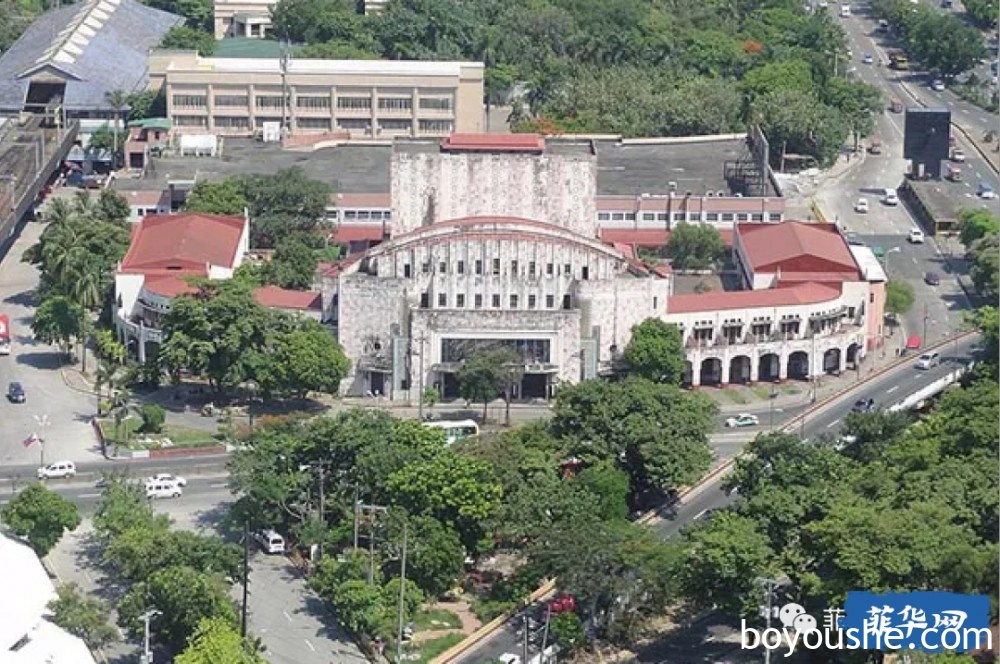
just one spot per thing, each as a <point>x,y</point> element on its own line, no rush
<point>695,246</point>
<point>656,352</point>
<point>40,516</point>
<point>899,297</point>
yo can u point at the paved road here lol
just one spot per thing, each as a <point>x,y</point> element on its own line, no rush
<point>888,389</point>
<point>36,366</point>
<point>289,618</point>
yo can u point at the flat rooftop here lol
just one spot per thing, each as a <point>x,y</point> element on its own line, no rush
<point>698,166</point>
<point>622,169</point>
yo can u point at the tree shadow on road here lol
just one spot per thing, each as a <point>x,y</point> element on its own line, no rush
<point>216,522</point>
<point>42,360</point>
<point>712,638</point>
<point>331,629</point>
<point>28,298</point>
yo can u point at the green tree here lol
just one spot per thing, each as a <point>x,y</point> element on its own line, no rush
<point>304,359</point>
<point>695,246</point>
<point>293,264</point>
<point>40,517</point>
<point>147,104</point>
<point>985,270</point>
<point>976,224</point>
<point>184,597</point>
<point>112,207</point>
<point>82,616</point>
<point>361,607</point>
<point>567,632</point>
<point>220,197</point>
<point>656,352</point>
<point>123,506</point>
<point>611,486</point>
<point>435,555</point>
<point>656,433</point>
<point>182,37</point>
<point>485,376</point>
<point>197,12</point>
<point>153,418</point>
<point>284,203</point>
<point>899,297</point>
<point>216,640</point>
<point>58,322</point>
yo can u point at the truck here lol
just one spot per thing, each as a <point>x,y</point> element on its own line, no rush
<point>4,334</point>
<point>898,60</point>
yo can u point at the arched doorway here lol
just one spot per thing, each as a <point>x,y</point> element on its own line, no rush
<point>853,356</point>
<point>739,370</point>
<point>711,371</point>
<point>688,374</point>
<point>831,361</point>
<point>798,365</point>
<point>769,367</point>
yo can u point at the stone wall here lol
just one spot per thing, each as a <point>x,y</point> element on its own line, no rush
<point>560,189</point>
<point>610,309</point>
<point>369,310</point>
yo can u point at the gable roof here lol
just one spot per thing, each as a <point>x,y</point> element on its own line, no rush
<point>800,294</point>
<point>794,247</point>
<point>283,298</point>
<point>95,46</point>
<point>183,243</point>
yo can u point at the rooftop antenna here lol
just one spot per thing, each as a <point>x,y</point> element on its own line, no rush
<point>283,61</point>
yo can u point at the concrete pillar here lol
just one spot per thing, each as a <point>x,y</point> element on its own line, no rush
<point>754,369</point>
<point>783,366</point>
<point>695,372</point>
<point>843,360</point>
<point>725,363</point>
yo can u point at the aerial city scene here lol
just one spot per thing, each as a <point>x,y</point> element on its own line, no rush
<point>499,331</point>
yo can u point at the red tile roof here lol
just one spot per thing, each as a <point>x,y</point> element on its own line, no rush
<point>145,197</point>
<point>281,298</point>
<point>170,285</point>
<point>358,233</point>
<point>183,242</point>
<point>361,200</point>
<point>800,294</point>
<point>493,143</point>
<point>649,237</point>
<point>797,249</point>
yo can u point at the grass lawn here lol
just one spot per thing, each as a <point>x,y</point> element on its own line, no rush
<point>788,388</point>
<point>736,396</point>
<point>436,619</point>
<point>431,649</point>
<point>178,435</point>
<point>762,391</point>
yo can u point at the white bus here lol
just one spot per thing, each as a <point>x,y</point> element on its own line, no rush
<point>455,430</point>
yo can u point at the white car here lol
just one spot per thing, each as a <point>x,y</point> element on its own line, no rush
<point>861,207</point>
<point>916,236</point>
<point>742,420</point>
<point>937,85</point>
<point>958,155</point>
<point>890,197</point>
<point>57,470</point>
<point>270,541</point>
<point>166,477</point>
<point>163,490</point>
<point>928,360</point>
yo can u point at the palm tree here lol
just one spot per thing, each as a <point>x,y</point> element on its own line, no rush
<point>59,212</point>
<point>118,100</point>
<point>83,204</point>
<point>121,408</point>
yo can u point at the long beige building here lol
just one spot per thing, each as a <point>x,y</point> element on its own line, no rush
<point>347,98</point>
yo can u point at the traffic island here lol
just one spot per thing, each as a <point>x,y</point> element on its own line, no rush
<point>126,440</point>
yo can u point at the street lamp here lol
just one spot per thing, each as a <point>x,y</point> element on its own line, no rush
<point>252,387</point>
<point>42,422</point>
<point>147,654</point>
<point>773,396</point>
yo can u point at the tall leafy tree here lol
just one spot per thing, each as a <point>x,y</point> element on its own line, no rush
<point>58,321</point>
<point>293,264</point>
<point>40,516</point>
<point>695,246</point>
<point>216,640</point>
<point>656,352</point>
<point>220,197</point>
<point>82,616</point>
<point>899,297</point>
<point>486,375</point>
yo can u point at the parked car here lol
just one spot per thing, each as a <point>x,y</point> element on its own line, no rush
<point>57,470</point>
<point>270,541</point>
<point>890,197</point>
<point>861,206</point>
<point>875,146</point>
<point>742,420</point>
<point>163,490</point>
<point>957,154</point>
<point>932,279</point>
<point>15,393</point>
<point>863,406</point>
<point>928,360</point>
<point>916,236</point>
<point>937,85</point>
<point>166,477</point>
<point>82,181</point>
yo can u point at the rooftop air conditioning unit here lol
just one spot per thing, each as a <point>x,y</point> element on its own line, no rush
<point>720,193</point>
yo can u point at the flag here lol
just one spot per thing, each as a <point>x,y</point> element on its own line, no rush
<point>31,440</point>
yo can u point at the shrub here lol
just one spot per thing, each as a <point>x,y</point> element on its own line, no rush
<point>153,417</point>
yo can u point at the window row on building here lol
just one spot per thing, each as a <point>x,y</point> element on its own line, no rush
<point>688,216</point>
<point>312,102</point>
<point>493,301</point>
<point>495,267</point>
<point>350,124</point>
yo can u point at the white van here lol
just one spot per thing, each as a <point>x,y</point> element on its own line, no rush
<point>270,541</point>
<point>163,489</point>
<point>845,11</point>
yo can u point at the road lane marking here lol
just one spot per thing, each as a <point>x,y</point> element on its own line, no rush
<point>309,644</point>
<point>288,617</point>
<point>833,424</point>
<point>221,485</point>
<point>89,495</point>
<point>699,515</point>
<point>892,389</point>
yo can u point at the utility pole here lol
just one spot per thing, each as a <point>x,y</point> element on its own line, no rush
<point>246,577</point>
<point>422,339</point>
<point>767,610</point>
<point>147,655</point>
<point>926,318</point>
<point>320,467</point>
<point>361,508</point>
<point>524,655</point>
<point>545,633</point>
<point>402,598</point>
<point>357,521</point>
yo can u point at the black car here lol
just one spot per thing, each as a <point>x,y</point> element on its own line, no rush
<point>864,406</point>
<point>932,279</point>
<point>15,392</point>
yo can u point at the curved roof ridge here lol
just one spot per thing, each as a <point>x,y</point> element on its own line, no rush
<point>71,41</point>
